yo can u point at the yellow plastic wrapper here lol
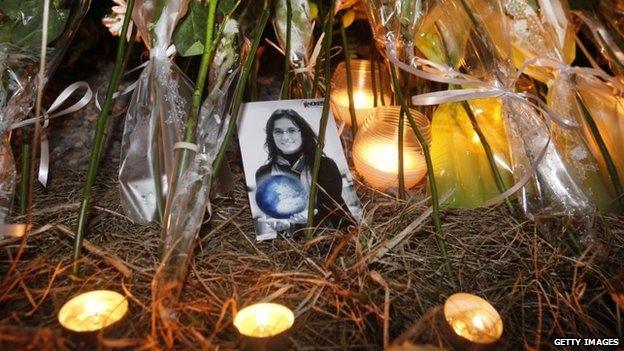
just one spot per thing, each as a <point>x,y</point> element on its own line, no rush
<point>443,41</point>
<point>459,161</point>
<point>540,28</point>
<point>579,147</point>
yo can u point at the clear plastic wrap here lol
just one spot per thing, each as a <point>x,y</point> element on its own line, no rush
<point>606,25</point>
<point>156,115</point>
<point>300,33</point>
<point>541,28</point>
<point>547,189</point>
<point>543,40</point>
<point>579,147</point>
<point>459,160</point>
<point>190,198</point>
<point>20,41</point>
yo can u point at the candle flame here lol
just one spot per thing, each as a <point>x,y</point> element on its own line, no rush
<point>93,311</point>
<point>362,100</point>
<point>262,317</point>
<point>478,322</point>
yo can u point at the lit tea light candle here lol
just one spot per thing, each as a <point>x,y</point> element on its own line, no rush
<point>93,311</point>
<point>375,148</point>
<point>473,318</point>
<point>264,320</point>
<point>363,94</point>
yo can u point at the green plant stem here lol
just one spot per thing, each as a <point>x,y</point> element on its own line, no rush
<point>492,54</point>
<point>100,133</point>
<point>498,179</point>
<point>286,82</point>
<point>380,68</point>
<point>347,57</point>
<point>253,80</point>
<point>239,90</point>
<point>372,72</point>
<point>25,176</point>
<point>327,31</point>
<point>574,243</point>
<point>323,126</point>
<point>435,204</point>
<point>191,123</point>
<point>185,155</point>
<point>602,146</point>
<point>305,85</point>
<point>401,173</point>
<point>219,35</point>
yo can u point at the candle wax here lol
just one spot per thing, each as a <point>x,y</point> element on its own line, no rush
<point>93,310</point>
<point>264,320</point>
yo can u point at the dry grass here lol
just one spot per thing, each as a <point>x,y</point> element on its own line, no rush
<point>348,290</point>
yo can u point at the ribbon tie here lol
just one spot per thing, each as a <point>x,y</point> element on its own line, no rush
<point>53,112</point>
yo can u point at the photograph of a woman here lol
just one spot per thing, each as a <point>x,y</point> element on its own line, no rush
<point>280,183</point>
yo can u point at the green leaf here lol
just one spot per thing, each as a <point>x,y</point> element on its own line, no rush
<point>29,33</point>
<point>28,17</point>
<point>6,28</point>
<point>189,36</point>
<point>11,8</point>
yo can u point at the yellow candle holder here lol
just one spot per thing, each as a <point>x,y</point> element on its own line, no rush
<point>473,319</point>
<point>263,326</point>
<point>93,311</point>
<point>264,320</point>
<point>363,94</point>
<point>375,148</point>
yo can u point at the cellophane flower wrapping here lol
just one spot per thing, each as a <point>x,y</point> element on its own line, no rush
<point>605,24</point>
<point>541,28</point>
<point>549,189</point>
<point>20,43</point>
<point>542,32</point>
<point>577,145</point>
<point>156,114</point>
<point>459,159</point>
<point>190,198</point>
<point>300,32</point>
<point>553,191</point>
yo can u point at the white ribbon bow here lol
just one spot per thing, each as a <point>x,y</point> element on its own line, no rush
<point>44,162</point>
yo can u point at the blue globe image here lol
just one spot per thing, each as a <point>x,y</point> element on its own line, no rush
<point>281,196</point>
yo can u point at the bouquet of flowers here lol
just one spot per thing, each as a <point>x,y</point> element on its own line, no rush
<point>585,98</point>
<point>543,180</point>
<point>21,28</point>
<point>199,156</point>
<point>187,203</point>
<point>156,114</point>
<point>442,39</point>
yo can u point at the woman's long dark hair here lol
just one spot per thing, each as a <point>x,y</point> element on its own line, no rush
<point>308,137</point>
